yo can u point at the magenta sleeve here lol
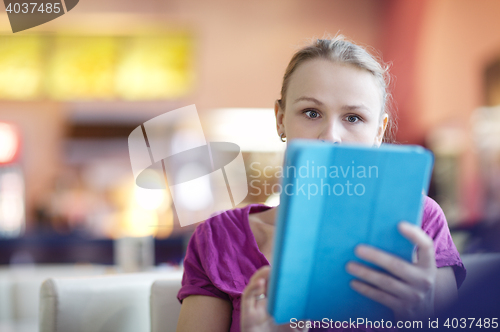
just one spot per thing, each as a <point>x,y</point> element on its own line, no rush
<point>196,280</point>
<point>435,225</point>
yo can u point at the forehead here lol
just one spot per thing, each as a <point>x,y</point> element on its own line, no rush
<point>333,82</point>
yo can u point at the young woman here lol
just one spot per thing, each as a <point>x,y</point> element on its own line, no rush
<point>334,91</point>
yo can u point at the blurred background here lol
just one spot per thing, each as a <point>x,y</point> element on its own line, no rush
<point>73,89</point>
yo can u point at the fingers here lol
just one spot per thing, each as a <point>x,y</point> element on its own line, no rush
<point>254,316</point>
<point>256,286</point>
<point>377,295</point>
<point>393,264</point>
<point>263,272</point>
<point>381,280</point>
<point>425,244</point>
<point>249,296</point>
<point>398,266</point>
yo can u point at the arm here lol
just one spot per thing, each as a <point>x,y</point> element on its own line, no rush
<point>204,314</point>
<point>204,307</point>
<point>446,288</point>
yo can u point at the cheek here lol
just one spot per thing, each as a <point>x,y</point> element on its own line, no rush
<point>296,126</point>
<point>364,132</point>
<point>295,130</point>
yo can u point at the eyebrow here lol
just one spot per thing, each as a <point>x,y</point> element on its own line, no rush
<point>314,100</point>
<point>355,108</point>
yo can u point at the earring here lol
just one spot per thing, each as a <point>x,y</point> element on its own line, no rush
<point>283,139</point>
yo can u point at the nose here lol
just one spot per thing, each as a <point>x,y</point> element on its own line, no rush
<point>332,132</point>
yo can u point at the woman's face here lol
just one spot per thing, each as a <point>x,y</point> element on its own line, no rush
<point>332,102</point>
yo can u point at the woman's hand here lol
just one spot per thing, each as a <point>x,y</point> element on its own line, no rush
<point>409,292</point>
<point>254,316</point>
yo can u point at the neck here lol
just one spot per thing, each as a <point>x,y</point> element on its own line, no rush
<point>269,216</point>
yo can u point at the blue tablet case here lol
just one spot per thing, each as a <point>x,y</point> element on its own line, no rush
<point>333,198</point>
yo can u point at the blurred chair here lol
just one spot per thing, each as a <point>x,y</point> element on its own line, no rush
<point>20,288</point>
<point>478,266</point>
<point>5,298</point>
<point>116,303</point>
<point>165,307</point>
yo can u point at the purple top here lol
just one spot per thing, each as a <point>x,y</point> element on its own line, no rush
<point>223,254</point>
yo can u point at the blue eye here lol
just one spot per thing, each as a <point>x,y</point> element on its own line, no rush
<point>312,114</point>
<point>353,118</point>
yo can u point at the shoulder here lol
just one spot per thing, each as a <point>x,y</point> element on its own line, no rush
<point>224,230</point>
<point>223,224</point>
<point>434,222</point>
<point>431,208</point>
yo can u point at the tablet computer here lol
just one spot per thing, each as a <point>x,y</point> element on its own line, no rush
<point>333,198</point>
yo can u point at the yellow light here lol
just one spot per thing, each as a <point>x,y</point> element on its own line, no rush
<point>103,67</point>
<point>149,199</point>
<point>144,212</point>
<point>82,67</point>
<point>140,222</point>
<point>21,66</point>
<point>155,67</point>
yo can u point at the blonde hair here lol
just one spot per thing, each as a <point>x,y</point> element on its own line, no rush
<point>338,49</point>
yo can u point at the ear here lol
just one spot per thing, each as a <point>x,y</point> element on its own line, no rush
<point>279,113</point>
<point>381,130</point>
